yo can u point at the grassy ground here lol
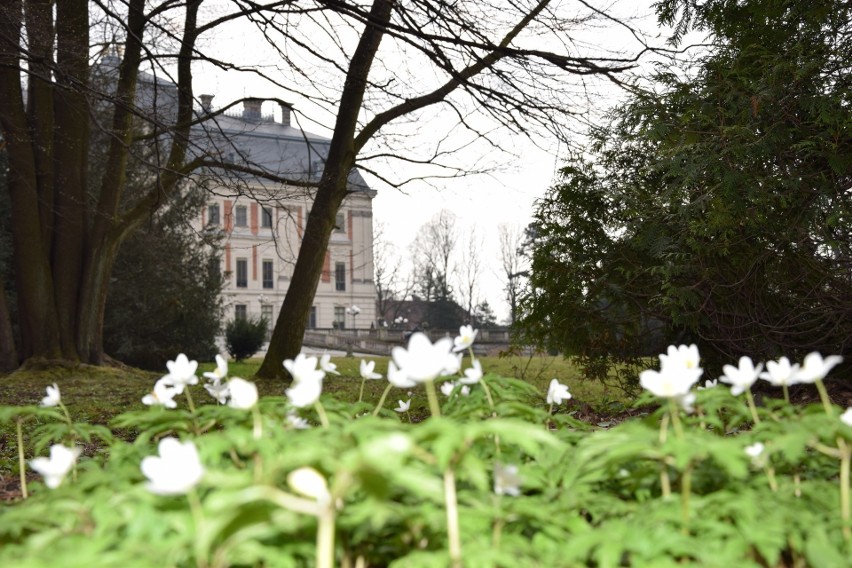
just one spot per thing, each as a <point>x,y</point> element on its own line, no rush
<point>97,394</point>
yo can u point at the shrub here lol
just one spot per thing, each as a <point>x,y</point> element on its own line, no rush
<point>245,336</point>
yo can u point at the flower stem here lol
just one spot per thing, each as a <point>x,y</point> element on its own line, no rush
<point>685,491</point>
<point>21,461</point>
<point>257,431</point>
<point>189,401</point>
<point>770,475</point>
<point>488,396</point>
<point>198,518</point>
<point>823,395</point>
<point>752,408</point>
<point>67,416</point>
<point>325,538</point>
<point>846,457</point>
<point>432,395</point>
<point>191,406</point>
<point>675,414</point>
<point>361,392</point>
<point>322,415</point>
<point>665,482</point>
<point>786,393</point>
<point>382,400</point>
<point>451,503</point>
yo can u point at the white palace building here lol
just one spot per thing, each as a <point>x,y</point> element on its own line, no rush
<point>262,221</point>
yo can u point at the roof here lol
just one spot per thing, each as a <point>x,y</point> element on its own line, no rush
<point>273,147</point>
<point>257,142</point>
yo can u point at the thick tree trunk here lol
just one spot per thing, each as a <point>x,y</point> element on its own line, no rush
<point>71,147</point>
<point>37,318</point>
<point>8,354</point>
<point>286,340</point>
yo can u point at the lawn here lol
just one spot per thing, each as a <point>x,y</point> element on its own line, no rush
<point>97,394</point>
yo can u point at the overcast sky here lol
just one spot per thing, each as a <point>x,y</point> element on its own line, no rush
<point>504,195</point>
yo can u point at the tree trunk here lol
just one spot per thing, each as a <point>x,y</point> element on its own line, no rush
<point>286,340</point>
<point>63,249</point>
<point>37,318</point>
<point>71,147</point>
<point>8,354</point>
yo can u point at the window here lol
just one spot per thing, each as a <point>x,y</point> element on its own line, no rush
<point>312,321</point>
<point>240,312</point>
<point>266,217</point>
<point>339,317</point>
<point>213,214</point>
<point>242,273</point>
<point>340,277</point>
<point>214,268</point>
<point>340,223</point>
<point>241,219</point>
<point>267,274</point>
<point>266,314</point>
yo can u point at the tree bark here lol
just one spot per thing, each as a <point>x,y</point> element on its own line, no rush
<point>37,319</point>
<point>8,353</point>
<point>286,340</point>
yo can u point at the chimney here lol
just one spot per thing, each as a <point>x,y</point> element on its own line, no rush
<point>286,108</point>
<point>251,109</point>
<point>206,103</point>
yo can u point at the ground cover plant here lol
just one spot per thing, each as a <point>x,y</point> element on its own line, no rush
<point>497,474</point>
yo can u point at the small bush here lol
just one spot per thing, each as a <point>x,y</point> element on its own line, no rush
<point>244,337</point>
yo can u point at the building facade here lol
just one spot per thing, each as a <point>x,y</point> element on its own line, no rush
<point>262,221</point>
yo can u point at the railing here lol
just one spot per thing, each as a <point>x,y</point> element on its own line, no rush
<point>381,341</point>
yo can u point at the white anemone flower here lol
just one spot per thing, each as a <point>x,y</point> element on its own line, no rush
<point>304,369</point>
<point>670,381</point>
<point>243,393</point>
<point>403,406</point>
<point>309,482</point>
<point>557,392</point>
<point>162,395</point>
<point>181,372</point>
<point>815,368</point>
<point>56,467</point>
<point>466,337</point>
<point>781,373</point>
<point>743,377</point>
<point>424,361</point>
<point>219,391</point>
<point>755,452</point>
<point>367,370</point>
<point>53,397</point>
<point>398,378</point>
<point>708,384</point>
<point>473,374</point>
<point>447,388</point>
<point>327,366</point>
<point>220,372</point>
<point>506,480</point>
<point>681,357</point>
<point>686,402</point>
<point>846,417</point>
<point>176,470</point>
<point>297,421</point>
<point>304,393</point>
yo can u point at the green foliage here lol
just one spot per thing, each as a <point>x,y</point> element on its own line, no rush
<point>588,497</point>
<point>164,270</point>
<point>715,205</point>
<point>244,337</point>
